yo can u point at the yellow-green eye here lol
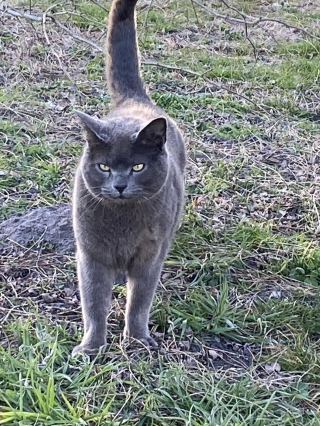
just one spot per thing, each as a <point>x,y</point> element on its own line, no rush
<point>104,168</point>
<point>138,167</point>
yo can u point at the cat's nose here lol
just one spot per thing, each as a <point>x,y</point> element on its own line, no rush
<point>120,188</point>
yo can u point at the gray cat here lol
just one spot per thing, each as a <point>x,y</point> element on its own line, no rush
<point>128,194</point>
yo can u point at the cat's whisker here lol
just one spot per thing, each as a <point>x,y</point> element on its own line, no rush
<point>94,203</point>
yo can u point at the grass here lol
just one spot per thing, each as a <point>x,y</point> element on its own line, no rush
<point>237,313</point>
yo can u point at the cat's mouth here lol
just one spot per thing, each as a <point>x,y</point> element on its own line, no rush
<point>116,197</point>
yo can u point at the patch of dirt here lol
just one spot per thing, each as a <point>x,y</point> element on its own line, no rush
<point>219,352</point>
<point>51,225</point>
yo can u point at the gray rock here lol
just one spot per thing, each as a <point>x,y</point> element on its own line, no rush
<point>45,224</point>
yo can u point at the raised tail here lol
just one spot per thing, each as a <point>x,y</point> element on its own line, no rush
<point>122,61</point>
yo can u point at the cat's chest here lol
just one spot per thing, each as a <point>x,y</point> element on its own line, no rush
<point>128,221</point>
<point>122,227</point>
<point>121,236</point>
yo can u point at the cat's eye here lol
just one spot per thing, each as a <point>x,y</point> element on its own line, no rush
<point>138,167</point>
<point>104,167</point>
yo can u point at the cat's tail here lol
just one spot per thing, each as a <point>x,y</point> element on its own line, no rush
<point>122,61</point>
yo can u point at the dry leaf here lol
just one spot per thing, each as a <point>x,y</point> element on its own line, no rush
<point>271,368</point>
<point>213,354</point>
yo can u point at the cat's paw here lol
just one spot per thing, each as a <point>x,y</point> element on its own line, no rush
<point>145,340</point>
<point>148,341</point>
<point>88,350</point>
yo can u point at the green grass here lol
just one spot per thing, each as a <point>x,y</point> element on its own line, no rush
<point>237,315</point>
<point>34,167</point>
<point>90,14</point>
<point>47,386</point>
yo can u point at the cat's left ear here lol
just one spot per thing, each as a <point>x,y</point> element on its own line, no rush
<point>154,134</point>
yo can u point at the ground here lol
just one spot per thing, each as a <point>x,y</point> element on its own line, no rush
<point>237,312</point>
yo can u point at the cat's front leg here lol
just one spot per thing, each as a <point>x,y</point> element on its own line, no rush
<point>95,282</point>
<point>142,283</point>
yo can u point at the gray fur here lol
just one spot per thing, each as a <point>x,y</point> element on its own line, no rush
<point>124,220</point>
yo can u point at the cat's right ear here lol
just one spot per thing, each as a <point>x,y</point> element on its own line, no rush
<point>93,128</point>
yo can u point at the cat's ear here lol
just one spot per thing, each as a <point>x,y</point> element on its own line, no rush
<point>93,128</point>
<point>154,134</point>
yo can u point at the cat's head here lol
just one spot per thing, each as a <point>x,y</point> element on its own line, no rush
<point>124,158</point>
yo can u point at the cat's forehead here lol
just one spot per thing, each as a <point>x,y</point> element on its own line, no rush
<point>118,128</point>
<point>118,136</point>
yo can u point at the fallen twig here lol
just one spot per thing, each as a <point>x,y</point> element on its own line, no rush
<point>11,12</point>
<point>44,18</point>
<point>251,20</point>
<point>8,11</point>
<point>75,36</point>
